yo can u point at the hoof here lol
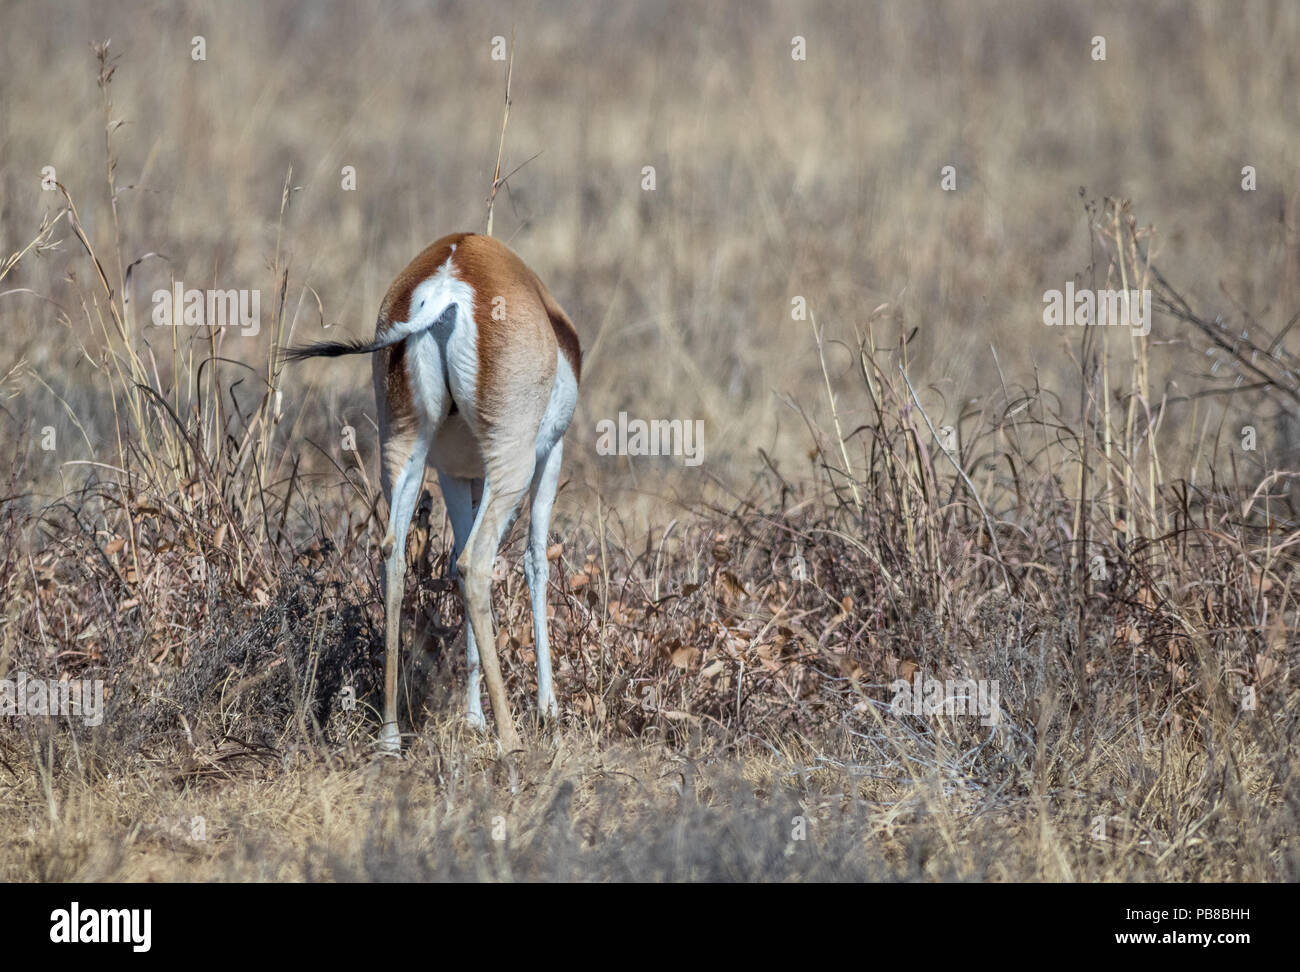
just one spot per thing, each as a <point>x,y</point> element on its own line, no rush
<point>389,742</point>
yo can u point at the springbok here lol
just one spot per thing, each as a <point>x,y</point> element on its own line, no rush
<point>476,373</point>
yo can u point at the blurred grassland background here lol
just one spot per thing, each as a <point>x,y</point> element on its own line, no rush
<point>775,178</point>
<point>726,635</point>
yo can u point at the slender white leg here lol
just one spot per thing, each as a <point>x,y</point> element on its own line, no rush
<point>537,570</point>
<point>405,493</point>
<point>496,511</point>
<point>458,495</point>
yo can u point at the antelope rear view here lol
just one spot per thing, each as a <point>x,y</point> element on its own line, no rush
<point>476,373</point>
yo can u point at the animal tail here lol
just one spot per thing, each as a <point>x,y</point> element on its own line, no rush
<point>336,349</point>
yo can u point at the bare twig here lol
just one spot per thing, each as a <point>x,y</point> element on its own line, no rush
<point>497,181</point>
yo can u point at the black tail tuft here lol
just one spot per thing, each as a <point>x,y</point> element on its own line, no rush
<point>332,349</point>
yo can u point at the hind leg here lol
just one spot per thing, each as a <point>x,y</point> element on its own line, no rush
<point>537,570</point>
<point>404,492</point>
<point>408,411</point>
<point>503,488</point>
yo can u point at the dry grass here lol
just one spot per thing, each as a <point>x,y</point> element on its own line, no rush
<point>1094,538</point>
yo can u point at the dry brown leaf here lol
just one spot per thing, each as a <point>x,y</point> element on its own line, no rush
<point>850,668</point>
<point>1265,667</point>
<point>684,656</point>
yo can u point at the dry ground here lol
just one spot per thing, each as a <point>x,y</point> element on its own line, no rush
<point>1100,537</point>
